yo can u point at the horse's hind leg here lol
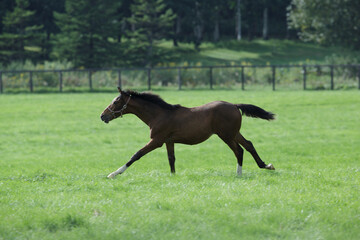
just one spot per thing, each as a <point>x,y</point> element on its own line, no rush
<point>250,148</point>
<point>238,151</point>
<point>171,155</point>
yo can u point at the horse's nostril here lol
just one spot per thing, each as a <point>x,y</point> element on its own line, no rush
<point>105,118</point>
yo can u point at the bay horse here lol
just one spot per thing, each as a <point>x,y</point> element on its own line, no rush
<point>172,124</point>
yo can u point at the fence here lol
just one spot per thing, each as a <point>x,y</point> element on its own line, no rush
<point>239,76</point>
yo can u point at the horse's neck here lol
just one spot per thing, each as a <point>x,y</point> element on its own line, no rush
<point>147,112</point>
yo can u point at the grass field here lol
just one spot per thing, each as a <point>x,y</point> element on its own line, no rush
<point>55,154</point>
<point>258,51</point>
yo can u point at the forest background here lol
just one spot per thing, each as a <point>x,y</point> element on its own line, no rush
<point>107,33</point>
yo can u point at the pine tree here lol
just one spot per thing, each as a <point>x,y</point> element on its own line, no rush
<point>152,21</point>
<point>89,30</point>
<point>20,40</point>
<point>44,15</point>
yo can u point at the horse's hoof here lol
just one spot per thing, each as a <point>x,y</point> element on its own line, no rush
<point>111,176</point>
<point>270,167</point>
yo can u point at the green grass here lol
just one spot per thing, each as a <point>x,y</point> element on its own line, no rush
<point>55,154</point>
<point>261,52</point>
<point>230,52</point>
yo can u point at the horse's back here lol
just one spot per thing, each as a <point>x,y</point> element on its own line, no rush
<point>195,125</point>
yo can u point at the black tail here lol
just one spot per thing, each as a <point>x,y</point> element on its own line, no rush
<point>255,112</point>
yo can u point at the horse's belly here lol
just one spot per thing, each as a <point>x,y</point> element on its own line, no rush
<point>191,140</point>
<point>192,134</point>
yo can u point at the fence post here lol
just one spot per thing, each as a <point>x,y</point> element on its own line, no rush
<point>119,79</point>
<point>242,79</point>
<point>211,78</point>
<point>332,77</point>
<point>60,81</point>
<point>179,78</point>
<point>149,78</point>
<point>31,82</point>
<point>90,80</point>
<point>1,83</point>
<point>304,77</point>
<point>273,77</point>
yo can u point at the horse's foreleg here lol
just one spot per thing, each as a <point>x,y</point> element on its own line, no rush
<point>171,155</point>
<point>153,144</point>
<point>250,148</point>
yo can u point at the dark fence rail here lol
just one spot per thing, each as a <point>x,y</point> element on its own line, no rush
<point>177,73</point>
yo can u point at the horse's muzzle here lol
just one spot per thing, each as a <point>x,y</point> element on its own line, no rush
<point>105,118</point>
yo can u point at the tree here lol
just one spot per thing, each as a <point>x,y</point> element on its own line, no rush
<point>238,20</point>
<point>44,15</point>
<point>89,30</point>
<point>122,14</point>
<point>20,39</point>
<point>198,24</point>
<point>182,10</point>
<point>5,5</point>
<point>152,21</point>
<point>265,23</point>
<point>213,13</point>
<point>327,22</point>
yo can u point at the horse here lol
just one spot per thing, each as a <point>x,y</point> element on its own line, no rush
<point>172,124</point>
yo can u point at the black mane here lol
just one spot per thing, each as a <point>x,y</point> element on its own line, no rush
<point>153,98</point>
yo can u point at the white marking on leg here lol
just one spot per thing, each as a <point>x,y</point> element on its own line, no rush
<point>239,170</point>
<point>119,171</point>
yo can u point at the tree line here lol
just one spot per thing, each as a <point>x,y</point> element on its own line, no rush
<point>98,33</point>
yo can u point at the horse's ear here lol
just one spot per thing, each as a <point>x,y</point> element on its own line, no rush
<point>119,89</point>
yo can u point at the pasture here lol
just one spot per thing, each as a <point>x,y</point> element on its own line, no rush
<point>55,154</point>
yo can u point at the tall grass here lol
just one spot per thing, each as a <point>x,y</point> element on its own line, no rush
<point>56,153</point>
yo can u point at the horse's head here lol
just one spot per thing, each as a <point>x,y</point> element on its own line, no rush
<point>116,107</point>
